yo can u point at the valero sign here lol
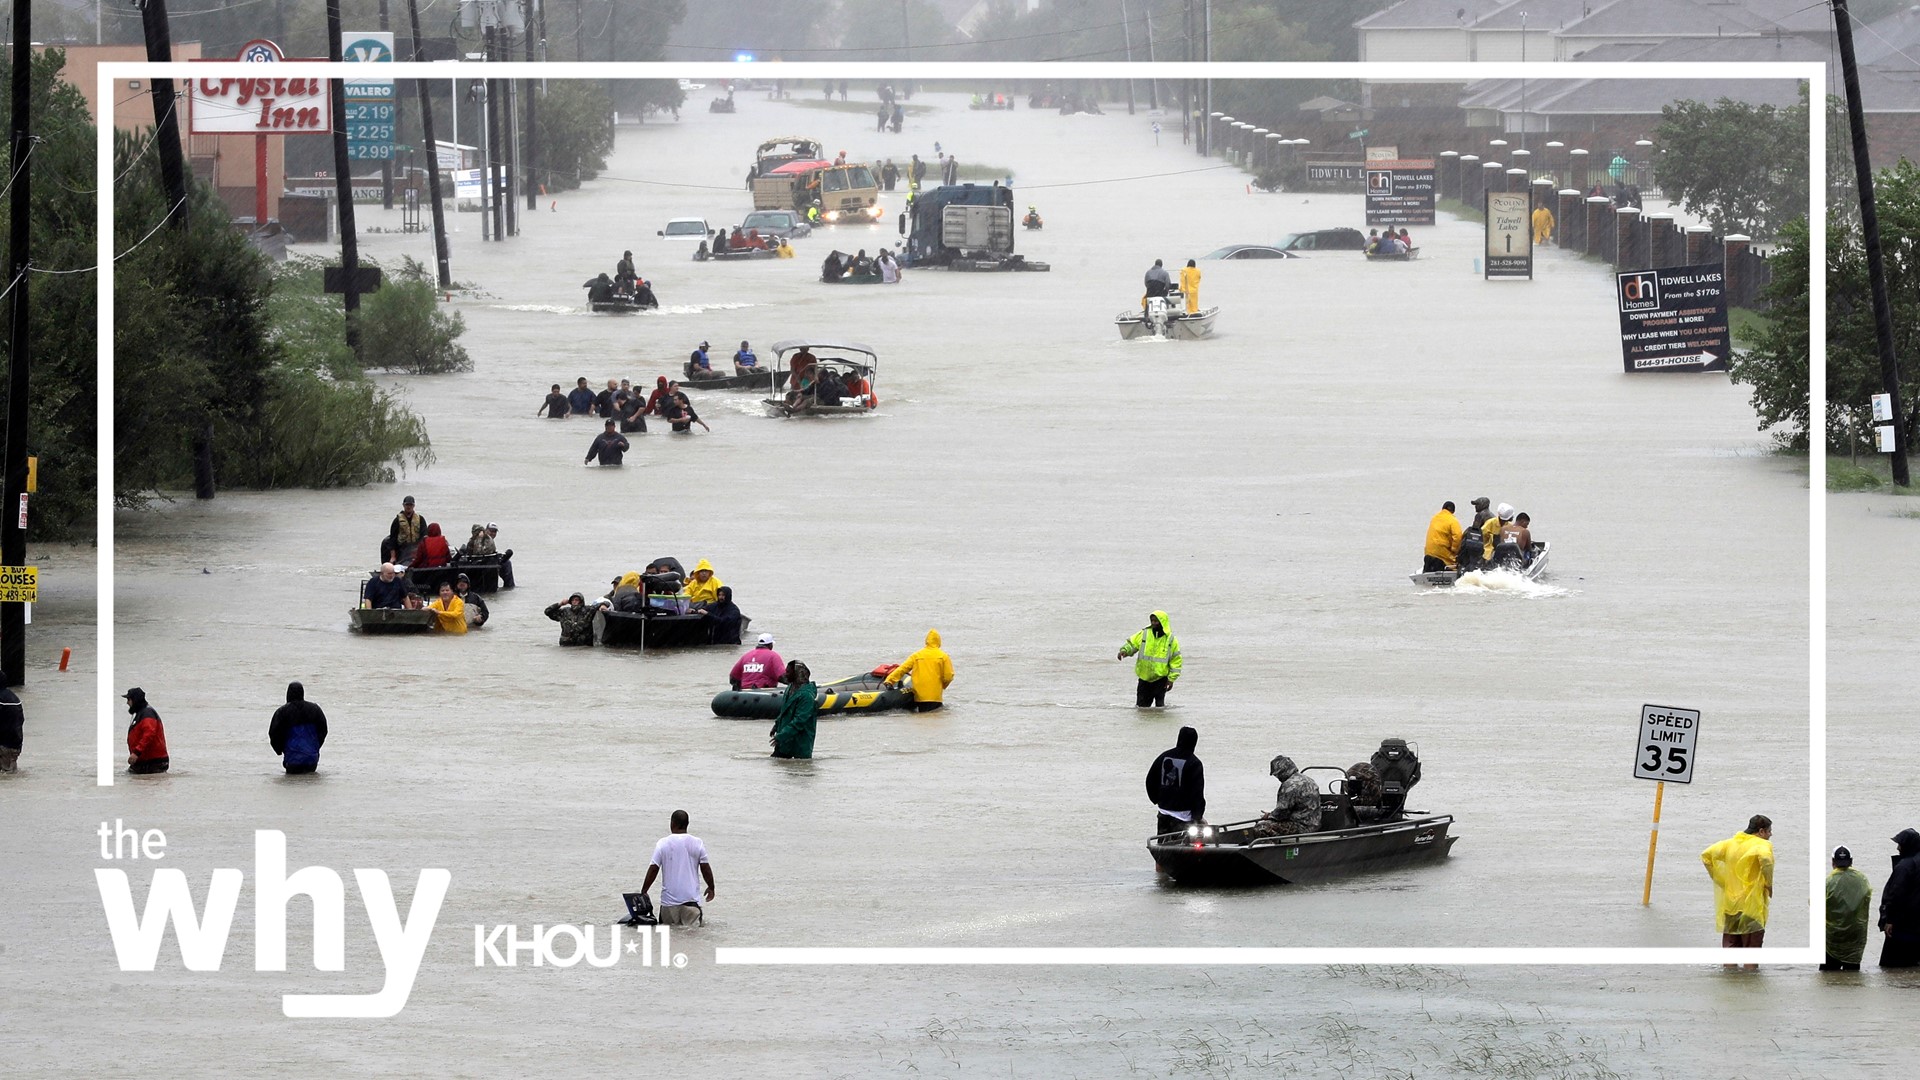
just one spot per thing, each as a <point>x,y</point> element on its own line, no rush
<point>230,106</point>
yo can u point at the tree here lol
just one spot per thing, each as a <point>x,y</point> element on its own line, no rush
<point>61,417</point>
<point>574,137</point>
<point>1742,167</point>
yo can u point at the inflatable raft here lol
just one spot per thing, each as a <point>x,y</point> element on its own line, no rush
<point>866,692</point>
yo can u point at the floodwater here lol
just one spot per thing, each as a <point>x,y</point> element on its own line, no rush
<point>1032,487</point>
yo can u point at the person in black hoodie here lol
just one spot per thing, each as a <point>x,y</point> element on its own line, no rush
<point>724,617</point>
<point>1900,905</point>
<point>1177,785</point>
<point>297,731</point>
<point>13,719</point>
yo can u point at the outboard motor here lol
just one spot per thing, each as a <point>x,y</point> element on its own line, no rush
<point>1473,546</point>
<point>1399,769</point>
<point>1158,315</point>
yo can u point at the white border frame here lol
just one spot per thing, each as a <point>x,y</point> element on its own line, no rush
<point>1813,73</point>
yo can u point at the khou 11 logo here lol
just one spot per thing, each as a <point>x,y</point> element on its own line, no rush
<point>1640,292</point>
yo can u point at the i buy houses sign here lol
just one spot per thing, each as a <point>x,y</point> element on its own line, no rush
<point>235,106</point>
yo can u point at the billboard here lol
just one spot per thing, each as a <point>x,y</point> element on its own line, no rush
<point>1509,240</point>
<point>1400,191</point>
<point>369,102</point>
<point>1674,318</point>
<point>259,106</point>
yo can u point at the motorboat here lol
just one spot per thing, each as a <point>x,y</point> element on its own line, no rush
<point>1352,839</point>
<point>767,379</point>
<point>733,254</point>
<point>658,627</point>
<point>865,692</point>
<point>1166,317</point>
<point>803,364</point>
<point>391,620</point>
<point>483,573</point>
<point>1398,256</point>
<point>1530,570</point>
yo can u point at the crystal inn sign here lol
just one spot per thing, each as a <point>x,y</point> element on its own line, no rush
<point>243,106</point>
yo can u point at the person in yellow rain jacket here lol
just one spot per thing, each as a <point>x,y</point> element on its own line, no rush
<point>1443,540</point>
<point>450,612</point>
<point>1190,287</point>
<point>931,670</point>
<point>703,587</point>
<point>1542,224</point>
<point>1741,867</point>
<point>1159,663</point>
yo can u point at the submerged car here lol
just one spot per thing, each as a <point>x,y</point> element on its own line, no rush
<point>787,223</point>
<point>1250,251</point>
<point>1324,240</point>
<point>685,228</point>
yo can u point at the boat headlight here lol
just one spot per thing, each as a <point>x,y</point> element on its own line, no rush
<point>1207,831</point>
<point>1193,830</point>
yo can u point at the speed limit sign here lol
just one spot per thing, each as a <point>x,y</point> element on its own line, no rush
<point>1668,737</point>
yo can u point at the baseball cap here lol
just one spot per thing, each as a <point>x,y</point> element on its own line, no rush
<point>766,639</point>
<point>1842,856</point>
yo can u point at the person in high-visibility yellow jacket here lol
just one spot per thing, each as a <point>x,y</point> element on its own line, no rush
<point>1159,663</point>
<point>1542,224</point>
<point>703,587</point>
<point>1741,867</point>
<point>1443,541</point>
<point>1190,287</point>
<point>931,670</point>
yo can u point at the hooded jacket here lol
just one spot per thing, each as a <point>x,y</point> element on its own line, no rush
<point>724,617</point>
<point>451,614</point>
<point>1742,870</point>
<point>576,624</point>
<point>1175,781</point>
<point>1900,900</point>
<point>1190,288</point>
<point>1849,898</point>
<point>1443,537</point>
<point>298,729</point>
<point>433,549</point>
<point>799,718</point>
<point>1159,653</point>
<point>699,592</point>
<point>930,668</point>
<point>1298,800</point>
<point>146,738</point>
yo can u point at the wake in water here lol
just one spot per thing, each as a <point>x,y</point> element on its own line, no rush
<point>1509,582</point>
<point>663,309</point>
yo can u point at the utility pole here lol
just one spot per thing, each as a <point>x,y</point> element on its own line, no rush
<point>386,167</point>
<point>13,541</point>
<point>533,128</point>
<point>173,179</point>
<point>343,185</point>
<point>1186,84</point>
<point>1870,225</point>
<point>1206,107</point>
<point>494,181</point>
<point>440,256</point>
<point>1153,85</point>
<point>1126,30</point>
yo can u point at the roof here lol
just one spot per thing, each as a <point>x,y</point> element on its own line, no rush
<point>1883,41</point>
<point>781,348</point>
<point>1541,15</point>
<point>1429,15</point>
<point>1715,50</point>
<point>1665,18</point>
<point>1646,97</point>
<point>1792,16</point>
<point>1323,103</point>
<point>795,168</point>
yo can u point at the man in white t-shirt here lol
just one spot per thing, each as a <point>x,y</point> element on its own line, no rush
<point>674,860</point>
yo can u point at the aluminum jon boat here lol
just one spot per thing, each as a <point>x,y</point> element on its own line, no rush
<point>1166,317</point>
<point>1446,578</point>
<point>1235,855</point>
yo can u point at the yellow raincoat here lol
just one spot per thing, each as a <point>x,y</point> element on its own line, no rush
<point>1190,288</point>
<point>1159,653</point>
<point>1542,225</point>
<point>1443,536</point>
<point>703,592</point>
<point>451,616</point>
<point>930,668</point>
<point>1742,871</point>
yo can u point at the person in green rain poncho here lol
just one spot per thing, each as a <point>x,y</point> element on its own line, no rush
<point>1849,900</point>
<point>792,734</point>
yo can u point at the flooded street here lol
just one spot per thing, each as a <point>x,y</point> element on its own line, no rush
<point>1032,487</point>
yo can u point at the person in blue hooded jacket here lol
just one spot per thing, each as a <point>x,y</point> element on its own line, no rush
<point>297,731</point>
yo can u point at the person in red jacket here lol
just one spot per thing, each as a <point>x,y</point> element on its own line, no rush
<point>433,549</point>
<point>146,739</point>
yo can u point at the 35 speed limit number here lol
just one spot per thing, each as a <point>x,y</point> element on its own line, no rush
<point>1668,737</point>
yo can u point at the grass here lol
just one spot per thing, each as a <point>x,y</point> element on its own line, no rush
<point>1873,473</point>
<point>864,108</point>
<point>1460,210</point>
<point>1746,325</point>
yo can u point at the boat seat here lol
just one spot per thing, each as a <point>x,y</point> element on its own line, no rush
<point>1336,811</point>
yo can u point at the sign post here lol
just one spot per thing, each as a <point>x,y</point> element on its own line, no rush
<point>1509,240</point>
<point>1668,737</point>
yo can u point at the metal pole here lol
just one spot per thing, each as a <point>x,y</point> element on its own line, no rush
<point>343,184</point>
<point>511,130</point>
<point>386,167</point>
<point>1206,109</point>
<point>1126,30</point>
<point>533,127</point>
<point>440,255</point>
<point>1870,225</point>
<point>1153,85</point>
<point>13,541</point>
<point>1653,842</point>
<point>495,182</point>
